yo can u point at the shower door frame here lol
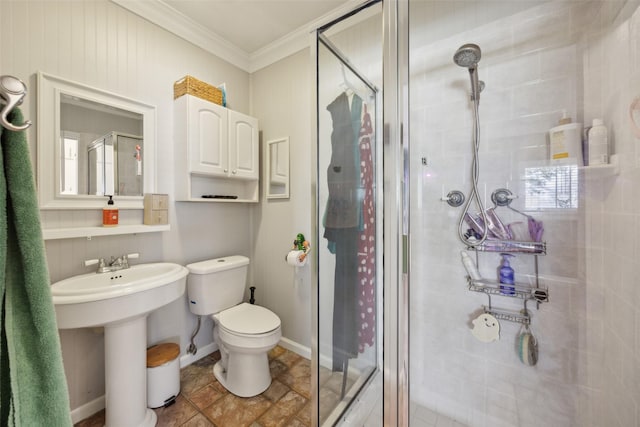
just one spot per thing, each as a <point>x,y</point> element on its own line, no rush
<point>395,111</point>
<point>396,249</point>
<point>343,409</point>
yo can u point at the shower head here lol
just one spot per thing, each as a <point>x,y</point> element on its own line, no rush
<point>468,55</point>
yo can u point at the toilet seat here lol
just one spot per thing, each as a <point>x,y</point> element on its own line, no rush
<point>248,320</point>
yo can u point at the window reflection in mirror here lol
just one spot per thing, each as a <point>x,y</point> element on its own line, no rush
<point>101,149</point>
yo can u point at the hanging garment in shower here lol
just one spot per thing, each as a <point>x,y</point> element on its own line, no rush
<point>343,173</point>
<point>367,241</point>
<point>342,225</point>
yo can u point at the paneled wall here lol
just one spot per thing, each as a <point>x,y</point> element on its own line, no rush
<point>97,43</point>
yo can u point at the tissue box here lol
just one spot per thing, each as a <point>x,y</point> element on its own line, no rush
<point>156,209</point>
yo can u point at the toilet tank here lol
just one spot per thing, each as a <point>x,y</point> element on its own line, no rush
<point>216,284</point>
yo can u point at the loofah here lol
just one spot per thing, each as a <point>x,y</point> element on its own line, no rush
<point>527,349</point>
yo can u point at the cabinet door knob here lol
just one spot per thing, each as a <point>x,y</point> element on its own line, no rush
<point>226,170</point>
<point>234,171</point>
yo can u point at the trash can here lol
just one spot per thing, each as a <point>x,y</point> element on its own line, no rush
<point>163,374</point>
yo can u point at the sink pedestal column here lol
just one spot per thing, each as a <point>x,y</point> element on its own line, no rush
<point>125,348</point>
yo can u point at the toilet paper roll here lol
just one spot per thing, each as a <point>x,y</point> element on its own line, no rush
<point>293,258</point>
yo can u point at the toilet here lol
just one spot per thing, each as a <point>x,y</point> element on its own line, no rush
<point>244,332</point>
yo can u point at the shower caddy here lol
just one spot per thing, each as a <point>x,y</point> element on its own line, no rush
<point>503,197</point>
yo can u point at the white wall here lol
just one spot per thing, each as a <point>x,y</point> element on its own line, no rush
<point>100,44</point>
<point>281,98</point>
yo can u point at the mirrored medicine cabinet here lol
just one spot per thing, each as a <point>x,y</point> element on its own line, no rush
<point>277,169</point>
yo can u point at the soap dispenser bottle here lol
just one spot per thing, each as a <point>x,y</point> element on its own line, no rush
<point>110,214</point>
<point>506,274</point>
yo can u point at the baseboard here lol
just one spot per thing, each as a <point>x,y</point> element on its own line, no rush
<point>88,409</point>
<point>299,349</point>
<point>204,351</point>
<point>305,352</point>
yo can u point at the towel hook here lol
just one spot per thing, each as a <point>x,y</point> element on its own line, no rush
<point>12,92</point>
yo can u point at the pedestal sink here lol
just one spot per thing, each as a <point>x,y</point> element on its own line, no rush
<point>120,301</point>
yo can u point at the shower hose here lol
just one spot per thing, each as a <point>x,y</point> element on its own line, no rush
<point>475,172</point>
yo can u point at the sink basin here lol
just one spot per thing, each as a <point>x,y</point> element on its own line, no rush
<point>120,301</point>
<point>98,299</point>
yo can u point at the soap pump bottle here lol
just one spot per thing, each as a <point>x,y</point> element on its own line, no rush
<point>566,141</point>
<point>110,214</point>
<point>506,274</point>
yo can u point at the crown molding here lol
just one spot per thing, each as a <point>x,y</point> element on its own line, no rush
<point>295,40</point>
<point>163,15</point>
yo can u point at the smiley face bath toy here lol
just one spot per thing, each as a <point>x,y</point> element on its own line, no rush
<point>486,328</point>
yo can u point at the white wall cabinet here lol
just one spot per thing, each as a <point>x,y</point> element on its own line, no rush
<point>216,152</point>
<point>243,146</point>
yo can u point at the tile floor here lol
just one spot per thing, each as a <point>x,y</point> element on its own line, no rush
<point>203,402</point>
<point>425,417</point>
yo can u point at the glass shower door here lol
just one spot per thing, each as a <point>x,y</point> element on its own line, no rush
<point>348,259</point>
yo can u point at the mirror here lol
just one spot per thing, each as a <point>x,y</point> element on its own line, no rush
<point>277,169</point>
<point>92,143</point>
<point>101,149</point>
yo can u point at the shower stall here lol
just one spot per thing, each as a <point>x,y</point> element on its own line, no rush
<point>349,351</point>
<point>465,96</point>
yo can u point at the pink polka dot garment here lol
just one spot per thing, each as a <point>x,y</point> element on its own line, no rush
<point>367,242</point>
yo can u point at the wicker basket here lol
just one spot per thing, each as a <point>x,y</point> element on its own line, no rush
<point>192,86</point>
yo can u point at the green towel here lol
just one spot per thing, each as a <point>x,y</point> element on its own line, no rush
<point>33,388</point>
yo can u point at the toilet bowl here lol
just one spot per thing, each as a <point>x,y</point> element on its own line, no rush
<point>245,333</point>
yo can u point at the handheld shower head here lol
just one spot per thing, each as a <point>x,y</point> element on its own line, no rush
<point>468,55</point>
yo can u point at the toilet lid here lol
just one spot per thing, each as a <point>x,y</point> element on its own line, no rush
<point>248,319</point>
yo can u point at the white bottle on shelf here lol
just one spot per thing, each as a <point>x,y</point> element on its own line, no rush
<point>470,266</point>
<point>598,143</point>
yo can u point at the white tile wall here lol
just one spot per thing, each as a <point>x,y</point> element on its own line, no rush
<point>611,76</point>
<point>553,56</point>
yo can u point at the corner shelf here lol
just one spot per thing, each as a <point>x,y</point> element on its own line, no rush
<point>598,172</point>
<point>89,232</point>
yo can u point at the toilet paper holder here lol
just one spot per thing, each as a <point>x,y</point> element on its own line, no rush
<point>297,256</point>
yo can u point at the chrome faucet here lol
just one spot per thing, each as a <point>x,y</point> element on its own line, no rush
<point>115,264</point>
